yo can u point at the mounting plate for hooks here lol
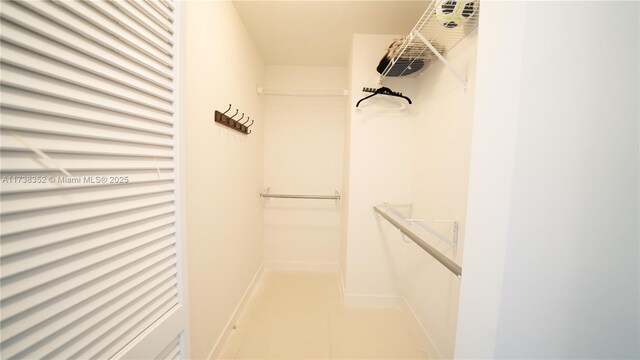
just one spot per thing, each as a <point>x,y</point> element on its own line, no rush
<point>229,122</point>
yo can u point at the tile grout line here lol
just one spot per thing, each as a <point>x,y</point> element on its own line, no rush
<point>261,297</point>
<point>326,291</point>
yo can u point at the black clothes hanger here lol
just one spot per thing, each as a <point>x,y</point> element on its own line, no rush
<point>382,91</point>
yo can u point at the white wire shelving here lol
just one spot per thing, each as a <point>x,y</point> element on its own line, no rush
<point>430,40</point>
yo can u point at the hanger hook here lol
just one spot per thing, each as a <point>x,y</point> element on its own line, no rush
<point>227,110</point>
<point>247,128</point>
<point>248,118</point>
<point>234,114</point>
<point>237,125</point>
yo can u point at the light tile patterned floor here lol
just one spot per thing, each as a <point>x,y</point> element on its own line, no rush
<point>299,315</point>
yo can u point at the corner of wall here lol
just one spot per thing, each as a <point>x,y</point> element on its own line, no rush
<point>370,181</point>
<point>499,63</point>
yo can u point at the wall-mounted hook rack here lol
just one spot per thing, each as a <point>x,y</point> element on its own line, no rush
<point>230,122</point>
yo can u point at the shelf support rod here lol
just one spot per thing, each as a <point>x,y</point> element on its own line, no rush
<point>443,60</point>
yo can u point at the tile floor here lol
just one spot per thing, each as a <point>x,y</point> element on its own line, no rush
<point>299,315</point>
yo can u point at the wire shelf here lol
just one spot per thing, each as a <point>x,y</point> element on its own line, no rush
<point>430,40</point>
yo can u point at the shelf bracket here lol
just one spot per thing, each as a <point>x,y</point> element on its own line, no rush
<point>455,72</point>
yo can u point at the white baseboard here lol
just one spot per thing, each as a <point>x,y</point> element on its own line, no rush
<point>301,266</point>
<point>366,300</point>
<point>222,339</point>
<point>426,342</point>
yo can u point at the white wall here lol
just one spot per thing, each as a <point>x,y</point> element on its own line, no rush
<point>303,155</point>
<point>379,170</point>
<point>441,148</point>
<point>346,163</point>
<point>224,168</point>
<point>418,156</point>
<point>552,250</point>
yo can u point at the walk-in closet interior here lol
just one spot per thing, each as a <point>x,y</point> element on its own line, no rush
<point>428,179</point>
<point>298,193</point>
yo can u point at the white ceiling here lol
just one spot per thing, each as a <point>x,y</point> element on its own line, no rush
<point>318,33</point>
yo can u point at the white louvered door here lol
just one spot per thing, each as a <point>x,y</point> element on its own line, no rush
<point>90,256</point>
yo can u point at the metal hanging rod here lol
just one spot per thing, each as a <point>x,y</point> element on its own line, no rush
<point>453,243</point>
<point>287,196</point>
<point>267,194</point>
<point>440,257</point>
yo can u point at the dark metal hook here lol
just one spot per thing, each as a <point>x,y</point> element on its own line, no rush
<point>234,114</point>
<point>237,124</point>
<point>220,116</point>
<point>227,109</point>
<point>249,131</point>
<point>248,118</point>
